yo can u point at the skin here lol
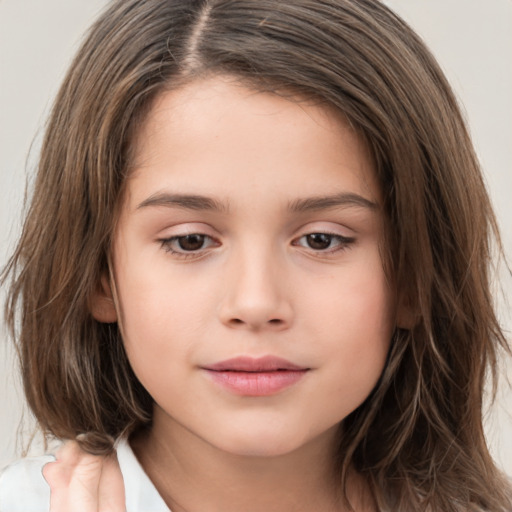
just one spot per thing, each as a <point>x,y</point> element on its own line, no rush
<point>253,285</point>
<point>82,482</point>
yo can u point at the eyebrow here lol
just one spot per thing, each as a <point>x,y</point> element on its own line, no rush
<point>343,199</point>
<point>205,203</point>
<point>186,201</point>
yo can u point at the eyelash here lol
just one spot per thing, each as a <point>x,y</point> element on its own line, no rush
<point>167,244</point>
<point>343,243</point>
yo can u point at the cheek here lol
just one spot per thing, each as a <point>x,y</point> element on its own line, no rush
<point>157,297</point>
<point>357,304</point>
<point>163,314</point>
<point>353,320</point>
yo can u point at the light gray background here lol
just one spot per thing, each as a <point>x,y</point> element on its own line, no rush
<point>472,39</point>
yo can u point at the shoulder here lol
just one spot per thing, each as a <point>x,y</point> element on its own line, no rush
<point>23,488</point>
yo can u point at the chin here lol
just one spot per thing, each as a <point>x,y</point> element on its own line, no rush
<point>252,449</point>
<point>261,443</point>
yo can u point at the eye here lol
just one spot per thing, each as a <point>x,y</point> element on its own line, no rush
<point>326,242</point>
<point>187,244</point>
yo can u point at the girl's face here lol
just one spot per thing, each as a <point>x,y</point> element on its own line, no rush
<point>252,297</point>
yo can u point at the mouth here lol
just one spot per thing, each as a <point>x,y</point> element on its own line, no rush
<point>249,376</point>
<point>254,364</point>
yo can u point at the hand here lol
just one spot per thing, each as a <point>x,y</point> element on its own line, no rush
<point>81,482</point>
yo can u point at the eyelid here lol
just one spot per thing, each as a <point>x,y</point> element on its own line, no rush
<point>186,229</point>
<point>328,228</point>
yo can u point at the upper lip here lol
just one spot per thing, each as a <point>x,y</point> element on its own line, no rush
<point>254,364</point>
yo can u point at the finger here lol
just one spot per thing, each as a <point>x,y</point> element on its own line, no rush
<point>74,480</point>
<point>58,473</point>
<point>111,488</point>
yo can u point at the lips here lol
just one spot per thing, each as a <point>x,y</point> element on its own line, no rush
<point>249,376</point>
<point>251,364</point>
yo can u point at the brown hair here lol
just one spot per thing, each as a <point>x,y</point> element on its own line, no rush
<point>418,438</point>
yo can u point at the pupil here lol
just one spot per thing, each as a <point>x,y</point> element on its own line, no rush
<point>319,241</point>
<point>191,242</point>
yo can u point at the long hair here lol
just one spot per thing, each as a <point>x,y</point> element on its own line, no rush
<point>418,438</point>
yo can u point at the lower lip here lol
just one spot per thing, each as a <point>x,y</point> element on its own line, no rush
<point>256,383</point>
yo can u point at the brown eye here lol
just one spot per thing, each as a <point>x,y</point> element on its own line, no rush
<point>319,241</point>
<point>324,242</point>
<point>188,245</point>
<point>192,242</point>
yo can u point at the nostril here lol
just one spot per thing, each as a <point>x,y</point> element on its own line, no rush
<point>273,321</point>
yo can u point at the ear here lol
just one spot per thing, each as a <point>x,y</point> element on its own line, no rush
<point>102,305</point>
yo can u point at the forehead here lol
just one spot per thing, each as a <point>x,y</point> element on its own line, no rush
<point>217,132</point>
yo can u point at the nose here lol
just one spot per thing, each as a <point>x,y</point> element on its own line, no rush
<point>256,294</point>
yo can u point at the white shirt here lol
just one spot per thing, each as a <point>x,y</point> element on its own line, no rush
<point>23,488</point>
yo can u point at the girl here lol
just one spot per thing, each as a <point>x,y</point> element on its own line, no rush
<point>255,266</point>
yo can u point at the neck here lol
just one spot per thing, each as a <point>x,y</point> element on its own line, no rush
<point>191,474</point>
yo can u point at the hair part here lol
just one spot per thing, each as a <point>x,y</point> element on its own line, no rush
<point>418,438</point>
